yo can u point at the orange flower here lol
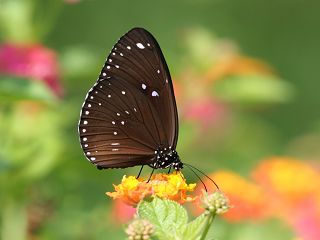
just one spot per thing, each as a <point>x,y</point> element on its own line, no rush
<point>131,190</point>
<point>166,186</point>
<point>283,187</point>
<point>236,65</point>
<point>247,199</point>
<point>286,179</point>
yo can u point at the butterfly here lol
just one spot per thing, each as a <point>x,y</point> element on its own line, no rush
<point>129,117</point>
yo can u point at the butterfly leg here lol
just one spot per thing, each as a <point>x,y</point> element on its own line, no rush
<point>182,175</point>
<point>140,172</point>
<point>169,170</point>
<point>150,175</point>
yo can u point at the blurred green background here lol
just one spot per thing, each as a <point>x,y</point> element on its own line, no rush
<point>246,76</point>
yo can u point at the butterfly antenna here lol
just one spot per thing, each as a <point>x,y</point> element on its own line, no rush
<point>190,167</point>
<point>198,177</point>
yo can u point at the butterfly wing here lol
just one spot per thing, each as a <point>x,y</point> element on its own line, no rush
<point>130,111</point>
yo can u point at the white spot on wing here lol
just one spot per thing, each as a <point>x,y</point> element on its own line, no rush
<point>118,114</point>
<point>84,130</point>
<point>110,60</point>
<point>140,45</point>
<point>109,96</point>
<point>158,71</point>
<point>115,144</point>
<point>99,103</point>
<point>129,47</point>
<point>104,74</point>
<point>113,122</point>
<point>85,122</point>
<point>121,54</point>
<point>117,66</point>
<point>87,112</point>
<point>115,133</point>
<point>143,86</point>
<point>108,67</point>
<point>122,122</point>
<point>84,139</point>
<point>88,153</point>
<point>127,112</point>
<point>155,94</point>
<point>92,158</point>
<point>123,92</point>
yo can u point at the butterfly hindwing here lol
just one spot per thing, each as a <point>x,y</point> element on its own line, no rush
<point>130,112</point>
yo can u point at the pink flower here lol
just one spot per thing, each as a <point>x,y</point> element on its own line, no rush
<point>33,61</point>
<point>122,212</point>
<point>206,111</point>
<point>305,220</point>
<point>71,1</point>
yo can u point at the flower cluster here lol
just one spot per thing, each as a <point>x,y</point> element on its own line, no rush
<point>140,229</point>
<point>216,202</point>
<point>281,187</point>
<point>32,61</point>
<point>165,186</point>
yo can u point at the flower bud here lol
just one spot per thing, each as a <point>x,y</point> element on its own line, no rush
<point>216,202</point>
<point>140,229</point>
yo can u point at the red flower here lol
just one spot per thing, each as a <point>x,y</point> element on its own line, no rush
<point>32,61</point>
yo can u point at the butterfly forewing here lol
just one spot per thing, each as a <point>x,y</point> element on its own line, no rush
<point>130,112</point>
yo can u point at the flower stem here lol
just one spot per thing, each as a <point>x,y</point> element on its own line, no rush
<point>210,219</point>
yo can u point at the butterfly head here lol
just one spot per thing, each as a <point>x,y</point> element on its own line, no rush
<point>165,158</point>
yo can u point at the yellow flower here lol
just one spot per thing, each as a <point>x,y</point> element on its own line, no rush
<point>166,186</point>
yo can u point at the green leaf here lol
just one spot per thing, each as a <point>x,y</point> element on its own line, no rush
<point>13,88</point>
<point>193,229</point>
<point>168,217</point>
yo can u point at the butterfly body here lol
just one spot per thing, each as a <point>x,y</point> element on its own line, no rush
<point>129,117</point>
